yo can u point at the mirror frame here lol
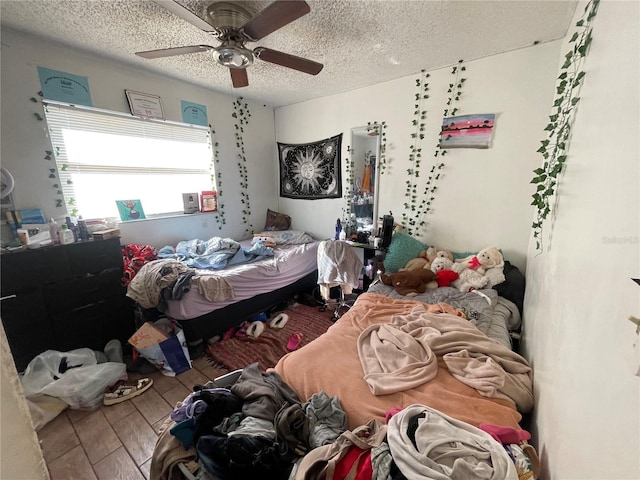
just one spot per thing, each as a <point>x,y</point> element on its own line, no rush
<point>360,135</point>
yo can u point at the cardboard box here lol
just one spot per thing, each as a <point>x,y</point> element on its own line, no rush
<point>147,335</point>
<point>167,351</point>
<point>104,234</point>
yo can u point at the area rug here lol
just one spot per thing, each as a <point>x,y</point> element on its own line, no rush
<point>239,351</point>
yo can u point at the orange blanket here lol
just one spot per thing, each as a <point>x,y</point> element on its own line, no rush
<point>331,364</point>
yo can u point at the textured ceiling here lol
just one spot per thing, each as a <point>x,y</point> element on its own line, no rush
<point>360,42</point>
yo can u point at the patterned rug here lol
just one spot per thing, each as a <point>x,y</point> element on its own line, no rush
<point>239,351</point>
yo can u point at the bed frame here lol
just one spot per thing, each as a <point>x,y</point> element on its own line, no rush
<point>218,321</point>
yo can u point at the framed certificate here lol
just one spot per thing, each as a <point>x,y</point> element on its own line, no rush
<point>145,105</point>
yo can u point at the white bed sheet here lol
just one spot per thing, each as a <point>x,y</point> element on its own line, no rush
<point>288,264</point>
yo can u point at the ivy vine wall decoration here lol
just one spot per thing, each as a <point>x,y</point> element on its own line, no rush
<point>242,114</point>
<point>349,166</point>
<point>52,169</point>
<point>381,128</point>
<point>216,178</point>
<point>554,148</point>
<point>418,206</point>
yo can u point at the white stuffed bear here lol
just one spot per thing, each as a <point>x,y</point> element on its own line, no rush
<point>444,254</point>
<point>489,257</point>
<point>483,270</point>
<point>441,263</point>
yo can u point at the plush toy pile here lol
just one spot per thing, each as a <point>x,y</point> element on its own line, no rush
<point>483,270</point>
<point>426,258</point>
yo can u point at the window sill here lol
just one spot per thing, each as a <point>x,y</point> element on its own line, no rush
<point>164,216</point>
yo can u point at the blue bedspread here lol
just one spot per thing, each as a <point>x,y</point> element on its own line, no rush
<point>215,253</point>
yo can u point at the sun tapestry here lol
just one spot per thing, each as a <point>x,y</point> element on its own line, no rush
<point>312,170</point>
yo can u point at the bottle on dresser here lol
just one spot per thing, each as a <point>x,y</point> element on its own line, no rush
<point>72,228</point>
<point>65,235</point>
<point>83,232</point>
<point>53,231</point>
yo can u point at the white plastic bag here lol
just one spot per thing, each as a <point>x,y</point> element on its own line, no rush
<point>81,381</point>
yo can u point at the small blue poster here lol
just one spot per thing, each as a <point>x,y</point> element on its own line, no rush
<point>65,87</point>
<point>194,113</point>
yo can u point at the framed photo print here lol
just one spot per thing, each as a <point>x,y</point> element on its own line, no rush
<point>145,105</point>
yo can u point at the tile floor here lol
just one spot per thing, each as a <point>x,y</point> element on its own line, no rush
<point>116,442</point>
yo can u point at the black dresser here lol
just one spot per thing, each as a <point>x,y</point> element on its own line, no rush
<point>64,297</point>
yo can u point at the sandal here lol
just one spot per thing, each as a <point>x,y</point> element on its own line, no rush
<point>279,320</point>
<point>255,329</point>
<point>121,392</point>
<point>295,341</point>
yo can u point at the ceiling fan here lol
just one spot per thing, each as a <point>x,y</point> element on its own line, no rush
<point>234,25</point>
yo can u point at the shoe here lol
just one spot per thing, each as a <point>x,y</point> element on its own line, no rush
<point>121,392</point>
<point>295,340</point>
<point>255,329</point>
<point>279,320</point>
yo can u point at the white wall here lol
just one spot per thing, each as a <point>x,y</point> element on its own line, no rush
<point>484,196</point>
<point>579,292</point>
<point>21,453</point>
<point>24,141</point>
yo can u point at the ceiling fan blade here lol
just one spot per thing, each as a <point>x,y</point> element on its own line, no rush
<point>275,16</point>
<point>170,52</point>
<point>239,77</point>
<point>185,14</point>
<point>286,60</point>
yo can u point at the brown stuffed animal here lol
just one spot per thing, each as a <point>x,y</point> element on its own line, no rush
<point>410,282</point>
<point>423,260</point>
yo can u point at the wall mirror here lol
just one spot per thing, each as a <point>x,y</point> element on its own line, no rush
<point>365,152</point>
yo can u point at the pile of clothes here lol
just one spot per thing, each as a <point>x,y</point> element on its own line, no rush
<point>256,428</point>
<point>259,428</point>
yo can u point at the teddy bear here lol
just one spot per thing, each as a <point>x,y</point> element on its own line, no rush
<point>442,267</point>
<point>421,261</point>
<point>483,270</point>
<point>425,258</point>
<point>409,282</point>
<point>488,257</point>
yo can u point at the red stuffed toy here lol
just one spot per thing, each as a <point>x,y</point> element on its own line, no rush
<point>445,277</point>
<point>441,266</point>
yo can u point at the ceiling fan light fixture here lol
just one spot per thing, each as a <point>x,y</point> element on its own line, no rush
<point>233,57</point>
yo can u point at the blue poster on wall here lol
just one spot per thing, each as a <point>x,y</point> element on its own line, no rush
<point>194,113</point>
<point>65,87</point>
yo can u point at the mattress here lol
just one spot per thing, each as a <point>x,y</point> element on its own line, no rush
<point>288,264</point>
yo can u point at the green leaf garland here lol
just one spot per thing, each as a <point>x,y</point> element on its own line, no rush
<point>554,148</point>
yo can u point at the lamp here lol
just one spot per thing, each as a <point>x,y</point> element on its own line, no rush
<point>233,56</point>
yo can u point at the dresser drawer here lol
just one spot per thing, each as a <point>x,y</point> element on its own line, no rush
<point>94,256</point>
<point>32,267</point>
<point>27,326</point>
<point>94,325</point>
<point>86,290</point>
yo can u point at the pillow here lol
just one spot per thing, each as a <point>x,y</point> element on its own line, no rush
<point>277,221</point>
<point>514,285</point>
<point>459,255</point>
<point>287,237</point>
<point>402,248</point>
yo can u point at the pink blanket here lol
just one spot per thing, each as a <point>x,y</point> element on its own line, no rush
<point>331,364</point>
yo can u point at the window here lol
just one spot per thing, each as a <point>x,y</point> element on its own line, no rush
<point>104,156</point>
